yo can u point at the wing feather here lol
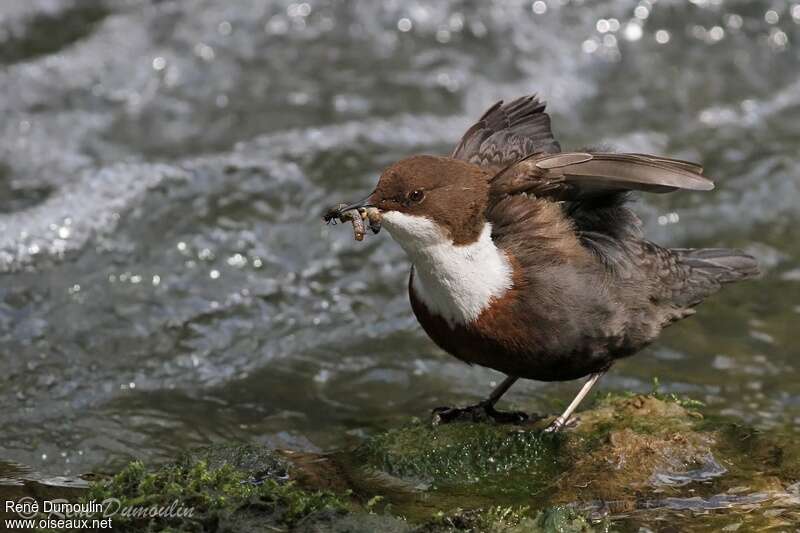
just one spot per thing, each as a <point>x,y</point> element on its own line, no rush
<point>578,175</point>
<point>507,133</point>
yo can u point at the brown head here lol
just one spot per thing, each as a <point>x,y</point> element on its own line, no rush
<point>453,194</point>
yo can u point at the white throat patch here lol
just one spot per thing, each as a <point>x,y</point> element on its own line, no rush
<point>455,281</point>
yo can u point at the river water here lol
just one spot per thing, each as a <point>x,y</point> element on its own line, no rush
<point>166,281</point>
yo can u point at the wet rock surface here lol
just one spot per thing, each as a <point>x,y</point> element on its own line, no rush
<point>634,459</point>
<point>631,462</point>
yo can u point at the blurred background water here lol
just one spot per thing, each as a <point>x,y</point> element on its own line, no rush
<point>166,281</point>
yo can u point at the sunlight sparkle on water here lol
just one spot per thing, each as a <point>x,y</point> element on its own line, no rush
<point>633,31</point>
<point>771,16</point>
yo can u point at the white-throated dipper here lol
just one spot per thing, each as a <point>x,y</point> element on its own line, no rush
<point>526,259</point>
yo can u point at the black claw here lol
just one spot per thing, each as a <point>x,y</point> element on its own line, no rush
<point>482,412</point>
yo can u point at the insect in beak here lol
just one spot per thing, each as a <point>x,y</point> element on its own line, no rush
<point>356,213</point>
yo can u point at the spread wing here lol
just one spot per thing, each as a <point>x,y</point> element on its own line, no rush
<point>578,176</point>
<point>507,133</point>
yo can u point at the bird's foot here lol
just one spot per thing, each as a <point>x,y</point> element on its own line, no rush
<point>561,423</point>
<point>481,412</point>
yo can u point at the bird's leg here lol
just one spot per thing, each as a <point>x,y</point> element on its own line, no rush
<point>562,419</point>
<point>501,389</point>
<point>482,411</point>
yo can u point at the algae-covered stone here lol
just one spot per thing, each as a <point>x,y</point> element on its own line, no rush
<point>618,448</point>
<point>461,453</point>
<point>559,519</point>
<point>238,488</point>
<point>626,445</point>
<point>628,456</point>
<point>629,462</point>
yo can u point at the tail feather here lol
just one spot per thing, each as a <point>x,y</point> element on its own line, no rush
<point>707,269</point>
<point>722,265</point>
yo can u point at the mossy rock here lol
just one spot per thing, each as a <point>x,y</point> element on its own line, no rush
<point>463,454</point>
<point>654,439</point>
<point>631,461</point>
<point>628,456</point>
<point>227,488</point>
<point>559,519</point>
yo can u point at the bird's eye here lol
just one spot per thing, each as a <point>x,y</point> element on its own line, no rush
<point>416,196</point>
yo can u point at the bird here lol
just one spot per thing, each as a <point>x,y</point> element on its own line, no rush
<point>530,261</point>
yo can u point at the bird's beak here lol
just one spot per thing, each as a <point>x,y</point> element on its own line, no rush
<point>338,211</point>
<point>363,204</point>
<point>364,210</point>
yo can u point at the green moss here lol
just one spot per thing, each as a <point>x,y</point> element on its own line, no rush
<point>559,519</point>
<point>564,519</point>
<point>683,401</point>
<point>650,414</point>
<point>219,496</point>
<point>463,454</point>
<point>669,398</point>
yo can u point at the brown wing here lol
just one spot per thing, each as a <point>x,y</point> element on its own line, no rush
<point>692,167</point>
<point>507,133</point>
<point>580,175</point>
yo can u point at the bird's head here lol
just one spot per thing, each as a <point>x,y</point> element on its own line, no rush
<point>426,200</point>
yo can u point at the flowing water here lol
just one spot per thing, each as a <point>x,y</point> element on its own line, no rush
<point>167,282</point>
